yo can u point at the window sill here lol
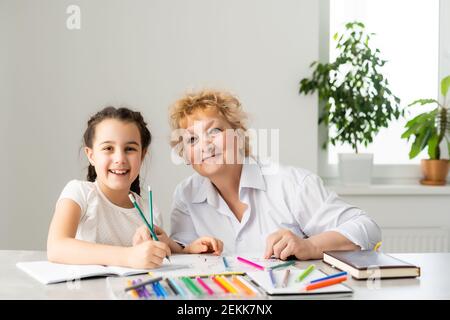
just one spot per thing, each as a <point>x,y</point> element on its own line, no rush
<point>388,188</point>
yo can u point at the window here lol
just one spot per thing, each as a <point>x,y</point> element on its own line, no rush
<point>407,34</point>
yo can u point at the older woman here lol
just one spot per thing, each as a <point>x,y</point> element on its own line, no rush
<point>283,213</point>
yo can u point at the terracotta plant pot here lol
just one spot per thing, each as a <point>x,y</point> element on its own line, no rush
<point>434,172</point>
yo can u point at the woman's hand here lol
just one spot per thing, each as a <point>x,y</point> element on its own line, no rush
<point>147,254</point>
<point>284,243</point>
<point>205,245</point>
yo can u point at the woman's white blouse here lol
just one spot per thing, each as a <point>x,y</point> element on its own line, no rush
<point>277,197</point>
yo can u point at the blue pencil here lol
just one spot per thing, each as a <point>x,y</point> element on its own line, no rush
<point>225,263</point>
<point>272,278</point>
<point>156,289</point>
<point>175,284</point>
<point>162,290</point>
<point>329,277</point>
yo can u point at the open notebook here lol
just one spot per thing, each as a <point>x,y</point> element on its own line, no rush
<point>262,279</point>
<point>48,272</point>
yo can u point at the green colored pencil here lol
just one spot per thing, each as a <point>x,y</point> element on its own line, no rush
<point>188,281</point>
<point>282,265</point>
<point>133,200</point>
<point>306,273</point>
<point>150,203</point>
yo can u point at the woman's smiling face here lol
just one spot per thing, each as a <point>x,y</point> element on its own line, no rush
<point>116,153</point>
<point>209,141</point>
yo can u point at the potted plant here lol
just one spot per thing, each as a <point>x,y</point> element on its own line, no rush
<point>430,130</point>
<point>356,100</point>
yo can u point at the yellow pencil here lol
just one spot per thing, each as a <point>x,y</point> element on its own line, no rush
<point>226,284</point>
<point>133,292</point>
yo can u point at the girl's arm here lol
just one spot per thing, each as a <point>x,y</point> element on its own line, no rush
<point>62,247</point>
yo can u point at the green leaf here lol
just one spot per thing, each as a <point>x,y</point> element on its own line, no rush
<point>445,84</point>
<point>335,36</point>
<point>423,102</point>
<point>432,143</point>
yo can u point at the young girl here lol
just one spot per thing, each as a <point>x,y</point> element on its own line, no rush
<point>95,221</point>
<point>283,213</point>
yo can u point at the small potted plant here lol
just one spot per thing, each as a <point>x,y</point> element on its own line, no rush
<point>356,100</point>
<point>430,130</point>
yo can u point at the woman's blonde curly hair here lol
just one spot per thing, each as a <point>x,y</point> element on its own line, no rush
<point>224,102</point>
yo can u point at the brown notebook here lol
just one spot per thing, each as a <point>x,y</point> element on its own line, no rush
<point>370,264</point>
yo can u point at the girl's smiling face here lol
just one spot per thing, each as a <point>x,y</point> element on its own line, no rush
<point>116,154</point>
<point>209,142</point>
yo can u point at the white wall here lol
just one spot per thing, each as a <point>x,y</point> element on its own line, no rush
<point>142,54</point>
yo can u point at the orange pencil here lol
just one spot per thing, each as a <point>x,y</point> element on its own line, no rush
<point>325,283</point>
<point>241,285</point>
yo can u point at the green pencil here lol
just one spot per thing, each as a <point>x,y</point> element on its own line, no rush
<point>150,203</point>
<point>306,273</point>
<point>133,200</point>
<point>281,265</point>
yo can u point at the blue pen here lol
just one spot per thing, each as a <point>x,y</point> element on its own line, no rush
<point>330,277</point>
<point>272,278</point>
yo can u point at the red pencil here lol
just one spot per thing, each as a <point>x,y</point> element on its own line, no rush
<point>325,283</point>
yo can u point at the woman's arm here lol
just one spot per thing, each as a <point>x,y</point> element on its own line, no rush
<point>62,247</point>
<point>284,243</point>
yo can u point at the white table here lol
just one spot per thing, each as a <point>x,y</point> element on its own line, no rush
<point>434,283</point>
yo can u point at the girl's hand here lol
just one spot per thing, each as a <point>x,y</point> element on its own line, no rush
<point>143,234</point>
<point>205,245</point>
<point>148,254</point>
<point>283,243</point>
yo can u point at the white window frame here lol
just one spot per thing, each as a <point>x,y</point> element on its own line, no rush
<point>382,173</point>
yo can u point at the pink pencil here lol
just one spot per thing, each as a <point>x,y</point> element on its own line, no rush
<point>250,263</point>
<point>205,286</point>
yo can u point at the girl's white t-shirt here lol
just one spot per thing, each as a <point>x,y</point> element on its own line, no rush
<point>102,221</point>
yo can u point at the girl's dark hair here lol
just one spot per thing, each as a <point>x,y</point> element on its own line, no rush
<point>125,115</point>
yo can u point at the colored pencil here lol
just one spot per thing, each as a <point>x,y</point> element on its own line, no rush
<point>133,292</point>
<point>156,290</point>
<point>339,274</point>
<point>162,290</point>
<point>282,265</point>
<point>174,283</point>
<point>133,200</point>
<point>193,286</point>
<point>213,278</point>
<point>306,273</point>
<point>241,285</point>
<point>228,285</point>
<point>286,278</point>
<point>144,283</point>
<point>325,283</point>
<point>250,263</point>
<point>272,278</point>
<point>205,286</point>
<point>225,263</point>
<point>150,204</point>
